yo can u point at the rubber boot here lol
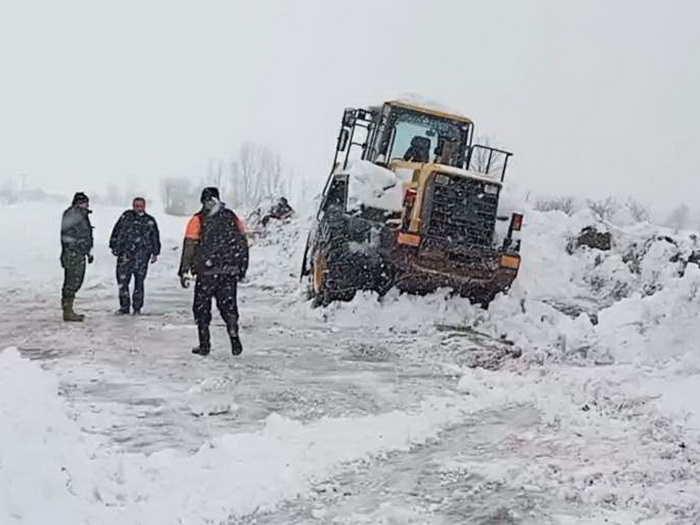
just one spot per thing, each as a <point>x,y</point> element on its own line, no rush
<point>232,329</point>
<point>204,340</point>
<point>68,314</point>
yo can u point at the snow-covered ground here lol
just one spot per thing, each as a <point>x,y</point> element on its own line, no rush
<point>405,410</point>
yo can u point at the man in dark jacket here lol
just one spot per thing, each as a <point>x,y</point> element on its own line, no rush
<point>135,242</point>
<point>419,150</point>
<point>215,250</point>
<point>76,248</point>
<point>280,211</point>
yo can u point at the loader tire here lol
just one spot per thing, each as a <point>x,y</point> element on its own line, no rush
<point>321,291</point>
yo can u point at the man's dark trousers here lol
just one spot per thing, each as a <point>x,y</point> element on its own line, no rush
<point>128,266</point>
<point>223,288</point>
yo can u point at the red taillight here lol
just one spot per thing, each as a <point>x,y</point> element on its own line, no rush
<point>409,198</point>
<point>516,222</point>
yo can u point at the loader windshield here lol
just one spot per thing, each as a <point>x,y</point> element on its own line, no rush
<point>417,137</point>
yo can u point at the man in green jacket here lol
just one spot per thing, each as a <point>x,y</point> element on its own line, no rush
<point>76,249</point>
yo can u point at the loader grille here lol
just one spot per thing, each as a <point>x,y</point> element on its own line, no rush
<point>461,211</point>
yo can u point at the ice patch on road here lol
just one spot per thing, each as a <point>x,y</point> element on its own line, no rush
<point>212,397</point>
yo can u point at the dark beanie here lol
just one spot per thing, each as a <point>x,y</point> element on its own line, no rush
<point>79,198</point>
<point>209,193</point>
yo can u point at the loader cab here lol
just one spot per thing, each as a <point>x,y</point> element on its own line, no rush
<point>401,131</point>
<point>413,134</point>
<point>416,143</point>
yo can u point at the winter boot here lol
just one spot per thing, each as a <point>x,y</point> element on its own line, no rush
<point>204,341</point>
<point>236,346</point>
<point>68,314</point>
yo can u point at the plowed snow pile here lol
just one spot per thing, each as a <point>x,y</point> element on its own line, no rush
<point>635,303</point>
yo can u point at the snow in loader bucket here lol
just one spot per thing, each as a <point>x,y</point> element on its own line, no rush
<point>371,186</point>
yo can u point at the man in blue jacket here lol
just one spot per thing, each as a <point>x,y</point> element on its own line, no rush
<point>135,241</point>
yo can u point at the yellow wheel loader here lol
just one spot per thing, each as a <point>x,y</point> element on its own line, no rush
<point>411,203</point>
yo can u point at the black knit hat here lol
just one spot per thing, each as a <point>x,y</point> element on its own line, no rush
<point>80,198</point>
<point>209,193</point>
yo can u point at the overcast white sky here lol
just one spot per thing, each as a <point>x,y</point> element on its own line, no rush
<point>593,97</point>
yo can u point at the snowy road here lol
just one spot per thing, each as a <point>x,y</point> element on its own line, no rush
<point>365,413</point>
<point>133,381</point>
<point>139,371</point>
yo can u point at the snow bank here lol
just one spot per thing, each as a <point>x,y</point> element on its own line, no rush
<point>48,473</point>
<point>277,257</point>
<point>585,416</point>
<point>52,472</point>
<point>635,303</point>
<point>240,473</point>
<point>662,325</point>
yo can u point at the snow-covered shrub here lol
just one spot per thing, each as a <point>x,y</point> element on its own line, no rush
<point>604,209</point>
<point>565,204</point>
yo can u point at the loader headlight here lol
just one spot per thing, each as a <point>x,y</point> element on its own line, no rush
<point>491,189</point>
<point>441,179</point>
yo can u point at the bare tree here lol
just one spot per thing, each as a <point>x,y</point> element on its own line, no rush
<point>604,209</point>
<point>216,176</point>
<point>637,211</point>
<point>256,175</point>
<point>564,204</point>
<point>485,160</point>
<point>479,159</point>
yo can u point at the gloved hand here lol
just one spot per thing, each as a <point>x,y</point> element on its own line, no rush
<point>154,258</point>
<point>185,280</point>
<point>90,258</point>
